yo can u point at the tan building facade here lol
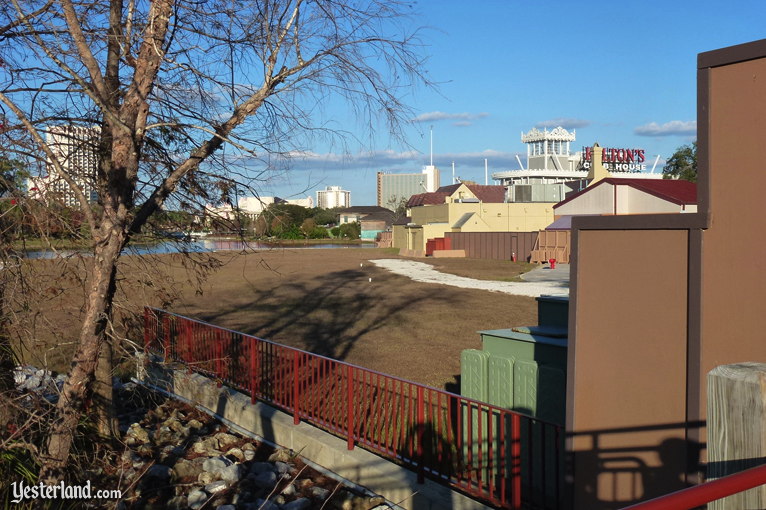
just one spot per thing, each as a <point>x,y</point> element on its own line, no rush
<point>463,210</point>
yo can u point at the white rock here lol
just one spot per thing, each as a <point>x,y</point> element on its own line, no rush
<point>216,487</point>
<point>231,473</point>
<point>196,499</point>
<point>216,464</point>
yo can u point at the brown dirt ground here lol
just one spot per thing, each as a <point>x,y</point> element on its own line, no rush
<point>322,300</point>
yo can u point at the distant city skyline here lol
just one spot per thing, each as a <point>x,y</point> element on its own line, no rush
<point>621,74</point>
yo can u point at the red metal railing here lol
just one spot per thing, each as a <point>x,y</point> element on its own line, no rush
<point>491,453</point>
<point>703,494</point>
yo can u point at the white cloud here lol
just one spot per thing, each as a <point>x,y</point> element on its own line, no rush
<point>437,116</point>
<point>672,128</point>
<point>565,122</point>
<point>397,161</point>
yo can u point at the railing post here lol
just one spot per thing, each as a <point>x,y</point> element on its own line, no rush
<point>296,388</point>
<point>421,429</point>
<point>350,406</point>
<point>516,461</point>
<point>166,327</point>
<point>146,330</point>
<point>219,357</point>
<point>188,356</point>
<point>253,369</point>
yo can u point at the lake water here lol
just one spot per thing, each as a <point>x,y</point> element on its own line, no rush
<point>198,246</point>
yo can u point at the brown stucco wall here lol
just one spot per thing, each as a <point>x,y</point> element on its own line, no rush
<point>733,301</point>
<point>626,377</point>
<point>698,297</point>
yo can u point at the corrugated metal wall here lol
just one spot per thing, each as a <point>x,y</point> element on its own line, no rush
<point>494,245</point>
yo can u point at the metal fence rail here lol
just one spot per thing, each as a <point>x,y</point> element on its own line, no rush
<point>494,454</point>
<point>700,495</point>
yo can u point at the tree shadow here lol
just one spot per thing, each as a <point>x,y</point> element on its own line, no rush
<point>326,315</point>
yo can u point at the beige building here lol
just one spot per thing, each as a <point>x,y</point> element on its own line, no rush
<point>631,196</point>
<point>466,208</point>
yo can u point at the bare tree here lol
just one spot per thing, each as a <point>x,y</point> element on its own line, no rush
<point>167,85</point>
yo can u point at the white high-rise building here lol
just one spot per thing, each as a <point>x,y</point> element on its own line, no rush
<point>395,188</point>
<point>76,149</point>
<point>333,196</point>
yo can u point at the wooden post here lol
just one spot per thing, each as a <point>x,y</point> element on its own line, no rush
<point>736,422</point>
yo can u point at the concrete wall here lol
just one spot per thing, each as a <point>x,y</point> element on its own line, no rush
<point>382,477</point>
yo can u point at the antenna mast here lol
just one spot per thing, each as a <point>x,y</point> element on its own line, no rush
<point>432,146</point>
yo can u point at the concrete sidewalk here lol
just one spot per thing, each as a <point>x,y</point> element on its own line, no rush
<point>544,273</point>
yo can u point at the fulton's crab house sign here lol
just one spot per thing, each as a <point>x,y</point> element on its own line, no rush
<point>617,160</point>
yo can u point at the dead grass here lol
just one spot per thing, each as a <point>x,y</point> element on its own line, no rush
<point>322,300</point>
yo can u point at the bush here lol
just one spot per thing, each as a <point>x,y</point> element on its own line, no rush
<point>351,230</point>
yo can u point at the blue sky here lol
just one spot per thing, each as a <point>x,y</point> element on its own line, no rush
<point>622,74</point>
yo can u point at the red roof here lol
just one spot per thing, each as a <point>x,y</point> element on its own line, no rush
<point>676,191</point>
<point>490,194</point>
<point>434,198</point>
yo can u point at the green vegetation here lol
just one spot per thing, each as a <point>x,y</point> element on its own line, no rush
<point>293,222</point>
<point>682,164</point>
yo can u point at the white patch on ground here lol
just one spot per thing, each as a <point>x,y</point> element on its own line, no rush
<point>421,272</point>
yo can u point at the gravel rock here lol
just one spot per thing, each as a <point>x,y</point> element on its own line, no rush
<point>225,440</point>
<point>137,435</point>
<point>266,480</point>
<point>282,467</point>
<point>216,487</point>
<point>159,471</point>
<point>319,493</point>
<point>298,504</point>
<point>263,504</point>
<point>237,454</point>
<point>281,455</point>
<point>231,474</point>
<point>262,467</point>
<point>187,469</point>
<point>205,477</point>
<point>215,465</point>
<point>196,499</point>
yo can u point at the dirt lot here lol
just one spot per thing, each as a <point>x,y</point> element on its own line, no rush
<point>322,300</point>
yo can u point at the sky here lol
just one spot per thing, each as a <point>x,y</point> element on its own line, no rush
<point>620,73</point>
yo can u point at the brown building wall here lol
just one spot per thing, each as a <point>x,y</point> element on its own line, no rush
<point>733,294</point>
<point>626,369</point>
<point>697,305</point>
<point>494,245</point>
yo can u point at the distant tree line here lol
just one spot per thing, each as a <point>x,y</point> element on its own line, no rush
<point>288,221</point>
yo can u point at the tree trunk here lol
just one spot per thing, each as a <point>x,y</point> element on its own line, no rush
<point>103,392</point>
<point>79,381</point>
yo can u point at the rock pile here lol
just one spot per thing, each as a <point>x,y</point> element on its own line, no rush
<point>184,459</point>
<point>38,382</point>
<point>177,457</point>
